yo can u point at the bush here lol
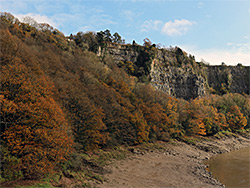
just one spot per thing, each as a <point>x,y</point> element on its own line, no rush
<point>10,166</point>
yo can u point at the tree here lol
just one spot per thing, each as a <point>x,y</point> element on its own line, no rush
<point>91,132</point>
<point>104,36</point>
<point>32,22</point>
<point>220,120</point>
<point>8,18</point>
<point>147,42</point>
<point>117,38</point>
<point>235,119</point>
<point>33,126</point>
<point>86,41</point>
<point>9,47</point>
<point>175,128</point>
<point>194,124</point>
<point>107,36</point>
<point>100,37</point>
<point>142,128</point>
<point>157,120</point>
<point>90,39</point>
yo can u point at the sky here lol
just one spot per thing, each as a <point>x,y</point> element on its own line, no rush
<point>214,31</point>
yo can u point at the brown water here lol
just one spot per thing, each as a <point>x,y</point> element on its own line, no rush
<point>232,169</point>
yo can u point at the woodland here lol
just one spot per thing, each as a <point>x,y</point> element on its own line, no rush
<point>60,101</point>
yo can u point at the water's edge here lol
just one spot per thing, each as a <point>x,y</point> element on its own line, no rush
<point>191,157</point>
<point>231,168</point>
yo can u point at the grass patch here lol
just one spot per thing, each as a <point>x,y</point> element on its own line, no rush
<point>89,167</point>
<point>38,185</point>
<point>104,157</point>
<point>244,132</point>
<point>223,134</point>
<point>191,140</point>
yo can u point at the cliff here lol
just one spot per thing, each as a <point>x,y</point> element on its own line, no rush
<point>177,73</point>
<point>233,79</point>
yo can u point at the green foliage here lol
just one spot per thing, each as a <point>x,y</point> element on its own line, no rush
<point>92,41</point>
<point>9,166</point>
<point>243,131</point>
<point>38,185</point>
<point>222,134</point>
<point>143,63</point>
<point>128,66</point>
<point>89,166</point>
<point>190,140</point>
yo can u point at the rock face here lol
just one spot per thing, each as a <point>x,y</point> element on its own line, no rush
<point>235,79</point>
<point>174,72</point>
<point>120,53</point>
<point>177,81</point>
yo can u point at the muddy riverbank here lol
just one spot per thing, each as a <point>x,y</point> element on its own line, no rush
<point>176,164</point>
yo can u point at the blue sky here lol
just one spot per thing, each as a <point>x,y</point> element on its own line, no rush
<point>213,30</point>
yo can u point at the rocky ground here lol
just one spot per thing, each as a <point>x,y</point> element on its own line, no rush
<point>177,165</point>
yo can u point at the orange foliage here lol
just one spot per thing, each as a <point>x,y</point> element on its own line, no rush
<point>197,126</point>
<point>33,125</point>
<point>93,130</point>
<point>157,119</point>
<point>173,117</point>
<point>142,128</point>
<point>196,115</point>
<point>235,119</point>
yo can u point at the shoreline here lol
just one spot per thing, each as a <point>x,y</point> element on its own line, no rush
<point>176,164</point>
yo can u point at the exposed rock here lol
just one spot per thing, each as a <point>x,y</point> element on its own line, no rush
<point>177,81</point>
<point>236,79</point>
<point>173,72</point>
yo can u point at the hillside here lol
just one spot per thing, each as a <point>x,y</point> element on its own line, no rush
<point>63,98</point>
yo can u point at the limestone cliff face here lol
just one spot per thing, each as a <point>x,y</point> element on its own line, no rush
<point>120,52</point>
<point>234,79</point>
<point>176,73</point>
<point>180,82</point>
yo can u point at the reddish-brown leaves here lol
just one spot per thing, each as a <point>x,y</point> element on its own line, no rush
<point>34,126</point>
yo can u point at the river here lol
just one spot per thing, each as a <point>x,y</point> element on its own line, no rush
<point>232,169</point>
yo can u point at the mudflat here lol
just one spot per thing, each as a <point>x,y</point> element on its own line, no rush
<point>177,165</point>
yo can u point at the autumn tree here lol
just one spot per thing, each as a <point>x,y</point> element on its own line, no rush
<point>158,121</point>
<point>33,127</point>
<point>226,102</point>
<point>8,19</point>
<point>147,42</point>
<point>235,119</point>
<point>32,22</point>
<point>105,104</point>
<point>86,41</point>
<point>175,128</point>
<point>89,129</point>
<point>220,121</point>
<point>142,128</point>
<point>194,124</point>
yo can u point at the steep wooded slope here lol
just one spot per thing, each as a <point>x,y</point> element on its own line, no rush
<point>62,97</point>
